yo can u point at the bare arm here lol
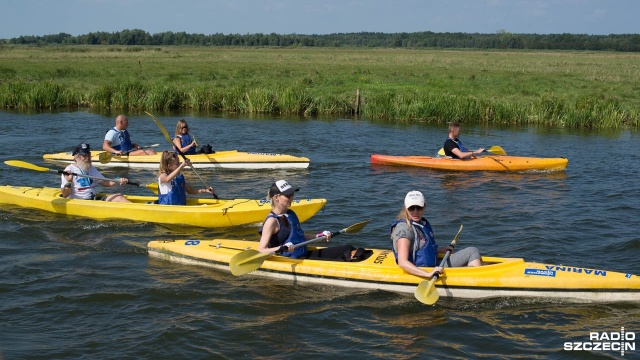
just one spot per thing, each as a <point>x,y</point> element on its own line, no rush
<point>168,177</point>
<point>466,154</point>
<point>269,228</point>
<point>408,266</point>
<point>178,144</point>
<point>106,146</point>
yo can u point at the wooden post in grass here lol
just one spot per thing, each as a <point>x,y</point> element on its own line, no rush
<point>357,102</point>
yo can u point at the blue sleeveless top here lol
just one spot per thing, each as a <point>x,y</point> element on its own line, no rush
<point>290,231</point>
<point>178,193</point>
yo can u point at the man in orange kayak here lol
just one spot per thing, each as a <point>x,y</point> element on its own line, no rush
<point>453,146</point>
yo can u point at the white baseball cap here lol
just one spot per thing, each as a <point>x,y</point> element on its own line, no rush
<point>414,198</point>
<point>281,187</point>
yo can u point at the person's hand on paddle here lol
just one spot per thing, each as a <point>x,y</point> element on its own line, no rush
<point>209,190</point>
<point>185,163</point>
<point>326,233</point>
<point>444,249</point>
<point>286,247</point>
<point>436,270</point>
<point>477,152</point>
<point>122,180</point>
<point>68,176</point>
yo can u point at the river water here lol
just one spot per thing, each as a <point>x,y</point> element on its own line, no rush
<point>73,288</point>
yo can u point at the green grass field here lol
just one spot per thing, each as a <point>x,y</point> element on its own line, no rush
<point>574,89</point>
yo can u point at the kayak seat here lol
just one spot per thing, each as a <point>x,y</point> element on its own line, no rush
<point>358,254</point>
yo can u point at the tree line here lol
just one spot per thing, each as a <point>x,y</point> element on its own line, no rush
<point>426,39</point>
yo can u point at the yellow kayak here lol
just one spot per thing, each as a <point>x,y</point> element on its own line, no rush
<point>202,212</point>
<point>232,159</point>
<point>481,163</point>
<point>499,277</point>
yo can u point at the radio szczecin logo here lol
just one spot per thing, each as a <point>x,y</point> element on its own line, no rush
<point>605,341</point>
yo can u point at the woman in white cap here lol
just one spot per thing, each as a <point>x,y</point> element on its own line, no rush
<point>414,244</point>
<point>281,230</point>
<point>80,187</point>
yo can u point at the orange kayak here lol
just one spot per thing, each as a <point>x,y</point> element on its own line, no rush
<point>482,163</point>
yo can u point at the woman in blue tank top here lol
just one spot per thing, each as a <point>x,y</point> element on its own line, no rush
<point>172,188</point>
<point>183,140</point>
<point>281,230</point>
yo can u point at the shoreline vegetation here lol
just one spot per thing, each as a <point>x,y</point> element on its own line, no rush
<point>578,89</point>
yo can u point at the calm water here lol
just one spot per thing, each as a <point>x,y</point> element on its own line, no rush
<point>75,288</point>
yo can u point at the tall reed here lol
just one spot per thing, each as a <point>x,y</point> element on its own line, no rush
<point>572,89</point>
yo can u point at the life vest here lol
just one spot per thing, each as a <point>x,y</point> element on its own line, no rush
<point>428,254</point>
<point>289,231</point>
<point>178,193</point>
<point>460,146</point>
<point>186,140</point>
<point>125,140</point>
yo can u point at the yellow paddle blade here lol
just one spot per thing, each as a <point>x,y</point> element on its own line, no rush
<point>441,152</point>
<point>26,165</point>
<point>105,157</point>
<point>247,261</point>
<point>355,227</point>
<point>426,292</point>
<point>162,128</point>
<point>497,150</point>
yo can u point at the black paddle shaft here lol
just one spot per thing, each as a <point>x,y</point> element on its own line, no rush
<point>93,177</point>
<point>436,276</point>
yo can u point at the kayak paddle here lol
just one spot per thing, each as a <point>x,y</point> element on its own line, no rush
<point>495,150</point>
<point>166,135</point>
<point>106,156</point>
<point>250,260</point>
<point>426,291</point>
<point>26,165</point>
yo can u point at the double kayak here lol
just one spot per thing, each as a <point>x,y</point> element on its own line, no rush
<point>231,159</point>
<point>497,277</point>
<point>201,212</point>
<point>481,163</point>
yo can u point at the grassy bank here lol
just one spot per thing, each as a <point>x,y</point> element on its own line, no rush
<point>576,89</point>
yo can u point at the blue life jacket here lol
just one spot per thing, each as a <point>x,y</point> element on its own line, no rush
<point>460,146</point>
<point>428,254</point>
<point>178,193</point>
<point>289,231</point>
<point>125,140</point>
<point>186,140</point>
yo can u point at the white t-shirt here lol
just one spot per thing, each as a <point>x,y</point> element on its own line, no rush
<point>115,137</point>
<point>83,187</point>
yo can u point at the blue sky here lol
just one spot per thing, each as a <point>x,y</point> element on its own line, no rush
<point>77,17</point>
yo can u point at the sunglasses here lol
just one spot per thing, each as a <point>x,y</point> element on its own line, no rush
<point>184,127</point>
<point>415,207</point>
<point>290,196</point>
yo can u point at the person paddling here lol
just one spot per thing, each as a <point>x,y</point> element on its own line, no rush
<point>80,187</point>
<point>172,187</point>
<point>183,141</point>
<point>281,230</point>
<point>453,146</point>
<point>118,142</point>
<point>414,243</point>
